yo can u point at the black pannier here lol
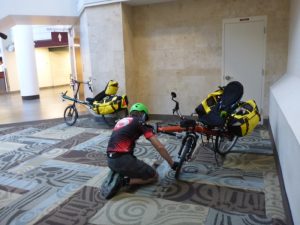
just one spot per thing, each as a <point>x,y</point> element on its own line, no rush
<point>214,110</point>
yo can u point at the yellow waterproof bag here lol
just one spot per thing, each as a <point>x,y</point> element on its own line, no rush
<point>208,103</point>
<point>110,104</point>
<point>244,119</point>
<point>112,87</point>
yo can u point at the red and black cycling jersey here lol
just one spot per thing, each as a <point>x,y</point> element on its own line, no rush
<point>125,134</point>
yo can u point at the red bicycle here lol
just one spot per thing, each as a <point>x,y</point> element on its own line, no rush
<point>220,138</point>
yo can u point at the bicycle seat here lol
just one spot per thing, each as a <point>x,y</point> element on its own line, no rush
<point>233,92</point>
<point>90,100</point>
<point>186,123</point>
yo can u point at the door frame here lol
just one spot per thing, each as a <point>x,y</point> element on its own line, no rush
<point>246,20</point>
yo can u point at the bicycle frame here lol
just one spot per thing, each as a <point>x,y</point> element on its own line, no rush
<point>71,112</point>
<point>177,128</point>
<point>191,128</point>
<point>75,98</point>
<point>198,128</point>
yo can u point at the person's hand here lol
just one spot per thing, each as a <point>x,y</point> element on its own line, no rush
<point>175,165</point>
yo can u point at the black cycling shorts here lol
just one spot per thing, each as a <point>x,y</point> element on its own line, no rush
<point>129,165</point>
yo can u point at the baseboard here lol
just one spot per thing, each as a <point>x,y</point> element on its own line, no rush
<point>162,117</point>
<point>56,86</point>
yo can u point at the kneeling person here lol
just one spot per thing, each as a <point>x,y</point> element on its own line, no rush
<point>126,169</point>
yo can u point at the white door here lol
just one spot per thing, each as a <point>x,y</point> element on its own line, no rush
<point>244,55</point>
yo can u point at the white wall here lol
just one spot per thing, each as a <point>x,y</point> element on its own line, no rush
<point>284,115</point>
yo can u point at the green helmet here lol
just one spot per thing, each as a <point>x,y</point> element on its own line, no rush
<point>139,107</point>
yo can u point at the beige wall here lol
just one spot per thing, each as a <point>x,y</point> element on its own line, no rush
<point>60,66</point>
<point>178,46</point>
<point>174,46</point>
<point>130,66</point>
<point>53,68</point>
<point>11,69</point>
<point>43,67</point>
<point>102,46</point>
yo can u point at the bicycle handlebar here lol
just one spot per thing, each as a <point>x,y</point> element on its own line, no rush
<point>89,83</point>
<point>186,124</point>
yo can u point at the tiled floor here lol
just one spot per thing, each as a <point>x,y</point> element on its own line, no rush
<point>50,173</point>
<point>13,109</point>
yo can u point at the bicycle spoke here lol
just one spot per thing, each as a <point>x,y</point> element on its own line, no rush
<point>187,150</point>
<point>223,145</point>
<point>70,115</point>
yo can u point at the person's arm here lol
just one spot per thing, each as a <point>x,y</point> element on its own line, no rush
<point>161,149</point>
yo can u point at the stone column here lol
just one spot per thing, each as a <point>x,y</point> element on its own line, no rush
<point>102,45</point>
<point>26,63</point>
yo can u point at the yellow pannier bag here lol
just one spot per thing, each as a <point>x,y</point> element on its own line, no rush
<point>244,119</point>
<point>110,104</point>
<point>112,87</point>
<point>208,103</point>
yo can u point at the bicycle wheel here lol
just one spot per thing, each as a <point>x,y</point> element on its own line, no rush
<point>186,150</point>
<point>70,115</point>
<point>111,119</point>
<point>224,144</point>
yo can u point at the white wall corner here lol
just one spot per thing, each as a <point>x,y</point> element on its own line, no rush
<point>284,121</point>
<point>284,93</point>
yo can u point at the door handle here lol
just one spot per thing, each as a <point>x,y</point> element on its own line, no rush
<point>227,77</point>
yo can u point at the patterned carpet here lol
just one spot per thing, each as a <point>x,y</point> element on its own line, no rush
<point>50,173</point>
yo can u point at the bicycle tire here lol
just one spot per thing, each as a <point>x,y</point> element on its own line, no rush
<point>111,119</point>
<point>70,115</point>
<point>186,149</point>
<point>223,145</point>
